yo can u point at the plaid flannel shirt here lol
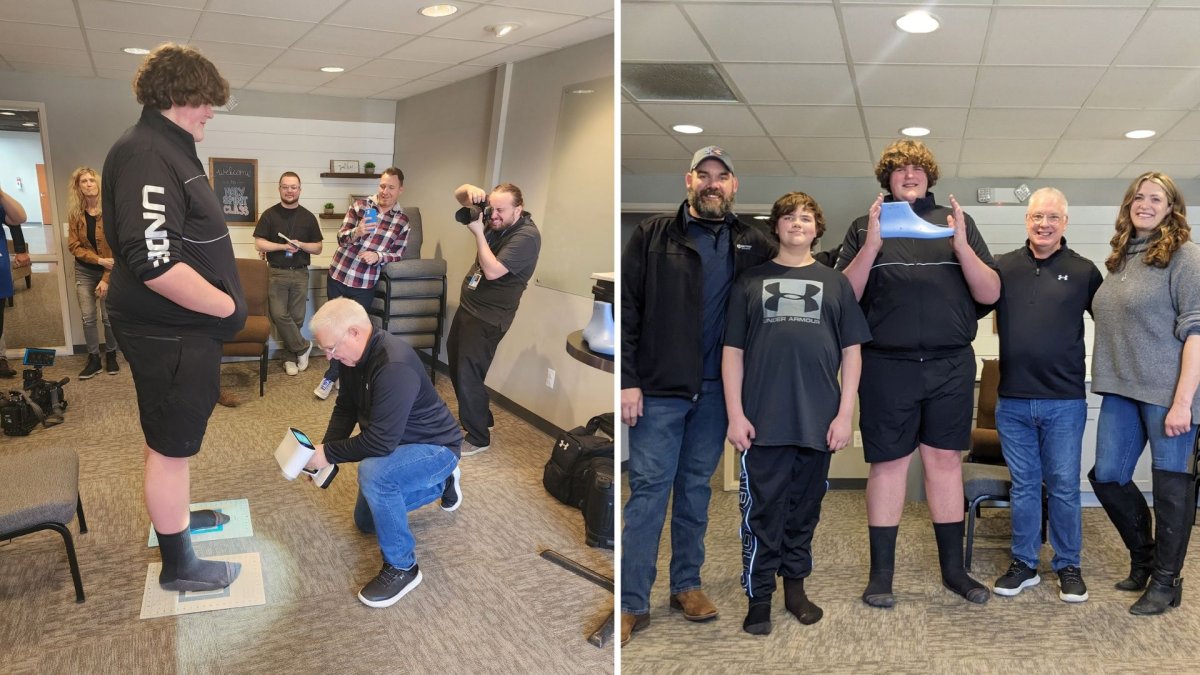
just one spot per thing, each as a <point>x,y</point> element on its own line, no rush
<point>388,239</point>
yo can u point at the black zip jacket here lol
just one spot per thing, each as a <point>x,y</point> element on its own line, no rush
<point>162,212</point>
<point>1040,315</point>
<point>917,300</point>
<point>661,287</point>
<point>393,402</point>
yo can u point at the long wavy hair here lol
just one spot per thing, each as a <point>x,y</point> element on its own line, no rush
<point>1171,233</point>
<point>76,202</point>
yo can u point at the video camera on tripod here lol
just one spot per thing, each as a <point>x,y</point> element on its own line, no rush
<point>40,401</point>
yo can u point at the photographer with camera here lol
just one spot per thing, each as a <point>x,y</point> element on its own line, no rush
<point>507,243</point>
<point>12,214</point>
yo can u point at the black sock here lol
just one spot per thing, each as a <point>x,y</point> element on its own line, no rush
<point>183,571</point>
<point>883,562</point>
<point>797,602</point>
<point>950,556</point>
<point>206,519</point>
<point>758,618</point>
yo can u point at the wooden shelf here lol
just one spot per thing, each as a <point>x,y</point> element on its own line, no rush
<point>333,216</point>
<point>349,175</point>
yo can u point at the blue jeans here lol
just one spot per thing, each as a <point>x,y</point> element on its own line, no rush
<point>363,296</point>
<point>391,486</point>
<point>1125,427</point>
<point>676,445</point>
<point>1042,440</point>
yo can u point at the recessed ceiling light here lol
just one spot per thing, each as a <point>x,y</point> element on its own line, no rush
<point>333,69</point>
<point>438,11</point>
<point>1140,133</point>
<point>8,112</point>
<point>914,131</point>
<point>29,124</point>
<point>918,21</point>
<point>502,29</point>
<point>582,91</point>
<point>135,50</point>
<point>762,217</point>
<point>687,128</point>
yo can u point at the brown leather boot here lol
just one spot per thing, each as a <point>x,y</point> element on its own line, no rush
<point>631,623</point>
<point>695,605</point>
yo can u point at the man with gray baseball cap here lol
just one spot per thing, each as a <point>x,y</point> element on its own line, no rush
<point>676,272</point>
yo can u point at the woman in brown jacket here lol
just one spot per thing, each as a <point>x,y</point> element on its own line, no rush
<point>93,261</point>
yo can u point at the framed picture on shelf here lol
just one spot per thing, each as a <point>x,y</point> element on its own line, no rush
<point>344,166</point>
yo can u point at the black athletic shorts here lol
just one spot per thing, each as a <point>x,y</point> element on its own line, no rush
<point>904,402</point>
<point>178,380</point>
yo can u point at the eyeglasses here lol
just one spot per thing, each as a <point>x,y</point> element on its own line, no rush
<point>331,349</point>
<point>1039,218</point>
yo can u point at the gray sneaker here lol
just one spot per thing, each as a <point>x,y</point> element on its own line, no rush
<point>469,448</point>
<point>1018,577</point>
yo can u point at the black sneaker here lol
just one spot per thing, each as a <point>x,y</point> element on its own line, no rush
<point>110,363</point>
<point>93,366</point>
<point>1070,585</point>
<point>391,584</point>
<point>1018,577</point>
<point>452,493</point>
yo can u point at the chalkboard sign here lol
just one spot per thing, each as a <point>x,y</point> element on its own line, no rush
<point>236,183</point>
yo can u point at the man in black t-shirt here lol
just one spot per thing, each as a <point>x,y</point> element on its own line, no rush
<point>507,247</point>
<point>288,234</point>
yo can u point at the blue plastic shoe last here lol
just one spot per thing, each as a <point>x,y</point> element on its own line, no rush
<point>600,334</point>
<point>898,220</point>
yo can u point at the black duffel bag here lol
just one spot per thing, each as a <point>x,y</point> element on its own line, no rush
<point>567,476</point>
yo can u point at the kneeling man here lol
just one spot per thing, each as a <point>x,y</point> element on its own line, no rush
<point>407,446</point>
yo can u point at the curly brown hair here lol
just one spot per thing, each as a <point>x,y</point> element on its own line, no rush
<point>1171,233</point>
<point>177,75</point>
<point>790,203</point>
<point>901,153</point>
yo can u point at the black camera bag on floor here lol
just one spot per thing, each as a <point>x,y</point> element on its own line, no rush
<point>598,504</point>
<point>568,474</point>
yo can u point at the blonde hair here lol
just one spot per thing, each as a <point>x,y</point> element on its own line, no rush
<point>1172,233</point>
<point>76,202</point>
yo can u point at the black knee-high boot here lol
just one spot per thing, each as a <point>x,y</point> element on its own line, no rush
<point>1174,514</point>
<point>1127,509</point>
<point>950,556</point>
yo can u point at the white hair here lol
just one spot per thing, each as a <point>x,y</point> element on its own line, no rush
<point>340,314</point>
<point>1049,192</point>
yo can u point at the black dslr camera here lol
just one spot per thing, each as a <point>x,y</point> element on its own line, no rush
<point>41,401</point>
<point>469,214</point>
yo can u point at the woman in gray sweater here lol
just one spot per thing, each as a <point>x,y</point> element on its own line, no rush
<point>1146,364</point>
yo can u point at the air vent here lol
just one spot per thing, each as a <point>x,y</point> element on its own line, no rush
<point>675,82</point>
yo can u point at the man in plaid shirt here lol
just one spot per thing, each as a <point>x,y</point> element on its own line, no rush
<point>373,234</point>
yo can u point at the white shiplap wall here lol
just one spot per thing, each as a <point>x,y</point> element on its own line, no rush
<point>304,146</point>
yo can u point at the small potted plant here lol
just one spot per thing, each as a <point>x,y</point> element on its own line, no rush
<point>328,208</point>
<point>369,167</point>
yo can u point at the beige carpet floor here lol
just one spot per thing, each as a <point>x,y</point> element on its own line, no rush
<point>488,603</point>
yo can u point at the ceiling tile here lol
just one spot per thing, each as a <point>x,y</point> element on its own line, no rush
<point>1078,151</point>
<point>441,50</point>
<point>791,33</point>
<point>408,70</point>
<point>834,169</point>
<point>1188,129</point>
<point>820,121</point>
<point>360,92</point>
<point>120,74</point>
<point>115,41</point>
<point>278,75</point>
<point>49,55</point>
<point>1113,3</point>
<point>49,68</point>
<point>941,122</point>
<point>945,150</point>
<point>1166,38</point>
<point>1147,88</point>
<point>62,37</point>
<point>579,7</point>
<point>309,10</point>
<point>1171,152</point>
<point>1113,124</point>
<point>719,119</point>
<point>777,83</point>
<point>511,54</point>
<point>57,12</point>
<point>156,20</point>
<point>279,88</point>
<point>1017,86</point>
<point>658,32</point>
<point>1175,171</point>
<point>1017,171</point>
<point>1018,122</point>
<point>126,62</point>
<point>356,41</point>
<point>1005,151</point>
<point>409,89</point>
<point>1060,36</point>
<point>473,25</point>
<point>634,121</point>
<point>306,60</point>
<point>399,16</point>
<point>373,82</point>
<point>753,168</point>
<point>456,73</point>
<point>740,148</point>
<point>653,147</point>
<point>931,3</point>
<point>902,85</point>
<point>874,38</point>
<point>823,149</point>
<point>249,29</point>
<point>1090,171</point>
<point>238,71</point>
<point>182,4</point>
<point>582,31</point>
<point>606,15</point>
<point>657,166</point>
<point>223,53</point>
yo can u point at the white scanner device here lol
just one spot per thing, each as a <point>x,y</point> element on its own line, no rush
<point>293,454</point>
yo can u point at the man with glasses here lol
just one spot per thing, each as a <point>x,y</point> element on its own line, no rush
<point>407,444</point>
<point>1041,409</point>
<point>288,234</point>
<point>507,243</point>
